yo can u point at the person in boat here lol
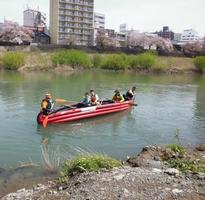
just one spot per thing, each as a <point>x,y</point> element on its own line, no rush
<point>94,98</point>
<point>86,102</point>
<point>118,97</point>
<point>47,104</point>
<point>130,94</point>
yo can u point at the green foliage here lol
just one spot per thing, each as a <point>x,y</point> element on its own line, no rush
<point>142,61</point>
<point>177,133</point>
<point>177,148</point>
<point>73,58</point>
<point>89,163</point>
<point>13,60</point>
<point>97,60</point>
<point>200,62</point>
<point>188,165</point>
<point>115,62</point>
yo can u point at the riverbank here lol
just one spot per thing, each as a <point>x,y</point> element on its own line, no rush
<point>145,176</point>
<point>73,60</point>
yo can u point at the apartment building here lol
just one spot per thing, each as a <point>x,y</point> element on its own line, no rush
<point>33,19</point>
<point>99,20</point>
<point>123,28</point>
<point>177,37</point>
<point>71,22</point>
<point>166,33</point>
<point>189,36</point>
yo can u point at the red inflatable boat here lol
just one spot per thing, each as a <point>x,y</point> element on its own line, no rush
<point>72,113</point>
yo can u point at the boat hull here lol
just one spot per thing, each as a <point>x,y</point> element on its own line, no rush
<point>73,114</point>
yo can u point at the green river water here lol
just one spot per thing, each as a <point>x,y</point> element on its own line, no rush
<point>166,103</point>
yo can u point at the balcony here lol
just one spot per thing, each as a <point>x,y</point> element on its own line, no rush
<point>80,3</point>
<point>77,9</point>
<point>76,27</point>
<point>76,21</point>
<point>75,14</point>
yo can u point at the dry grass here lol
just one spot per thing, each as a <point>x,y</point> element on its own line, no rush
<point>38,61</point>
<point>51,158</point>
<point>180,63</point>
<point>42,61</point>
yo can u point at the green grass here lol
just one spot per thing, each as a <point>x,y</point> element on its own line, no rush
<point>184,163</point>
<point>73,58</point>
<point>97,60</point>
<point>177,148</point>
<point>81,59</point>
<point>87,163</point>
<point>142,61</point>
<point>200,62</point>
<point>115,62</point>
<point>195,166</point>
<point>13,60</point>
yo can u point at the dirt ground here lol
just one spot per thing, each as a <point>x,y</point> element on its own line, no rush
<point>143,177</point>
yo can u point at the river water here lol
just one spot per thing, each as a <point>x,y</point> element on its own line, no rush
<point>166,103</point>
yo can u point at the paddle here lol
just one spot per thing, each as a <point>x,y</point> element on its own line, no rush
<point>134,104</point>
<point>45,121</point>
<point>65,101</point>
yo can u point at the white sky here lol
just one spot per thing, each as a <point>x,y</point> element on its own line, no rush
<point>143,15</point>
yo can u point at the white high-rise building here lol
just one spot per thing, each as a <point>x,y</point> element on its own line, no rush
<point>99,20</point>
<point>123,28</point>
<point>34,18</point>
<point>189,36</point>
<point>177,37</point>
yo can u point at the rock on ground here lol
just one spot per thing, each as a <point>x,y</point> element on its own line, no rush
<point>147,178</point>
<point>124,183</point>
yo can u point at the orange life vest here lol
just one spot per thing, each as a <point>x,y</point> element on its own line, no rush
<point>93,99</point>
<point>117,98</point>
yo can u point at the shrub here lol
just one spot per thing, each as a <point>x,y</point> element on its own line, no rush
<point>143,61</point>
<point>115,62</point>
<point>176,148</point>
<point>73,58</point>
<point>13,60</point>
<point>195,166</point>
<point>97,60</point>
<point>200,62</point>
<point>89,163</point>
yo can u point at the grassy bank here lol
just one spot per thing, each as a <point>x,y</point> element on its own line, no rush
<point>184,161</point>
<point>200,62</point>
<point>150,169</point>
<point>75,59</point>
<point>13,60</point>
<point>87,163</point>
<point>173,155</point>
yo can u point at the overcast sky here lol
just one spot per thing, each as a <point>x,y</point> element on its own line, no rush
<point>143,15</point>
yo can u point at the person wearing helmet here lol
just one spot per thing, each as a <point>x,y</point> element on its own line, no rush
<point>94,98</point>
<point>117,98</point>
<point>47,104</point>
<point>130,94</point>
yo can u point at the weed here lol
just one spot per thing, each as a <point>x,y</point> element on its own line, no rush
<point>176,148</point>
<point>115,62</point>
<point>73,58</point>
<point>195,166</point>
<point>97,60</point>
<point>87,162</point>
<point>200,62</point>
<point>13,60</point>
<point>142,61</point>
